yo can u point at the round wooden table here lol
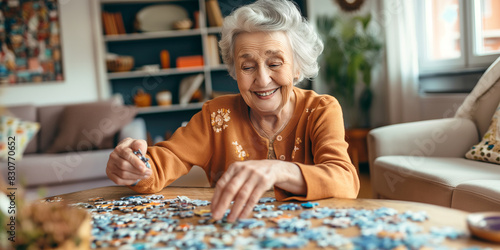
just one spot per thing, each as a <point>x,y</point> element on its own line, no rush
<point>438,216</point>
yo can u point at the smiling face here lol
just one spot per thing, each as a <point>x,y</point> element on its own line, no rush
<point>264,70</point>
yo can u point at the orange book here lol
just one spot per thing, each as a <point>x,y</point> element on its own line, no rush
<point>114,28</point>
<point>109,22</point>
<point>119,23</point>
<point>106,24</point>
<point>189,61</point>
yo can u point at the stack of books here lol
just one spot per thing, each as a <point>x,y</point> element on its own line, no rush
<point>113,23</point>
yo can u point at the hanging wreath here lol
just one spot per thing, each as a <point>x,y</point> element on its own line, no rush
<point>350,5</point>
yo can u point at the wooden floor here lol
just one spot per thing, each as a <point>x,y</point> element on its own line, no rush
<point>365,190</point>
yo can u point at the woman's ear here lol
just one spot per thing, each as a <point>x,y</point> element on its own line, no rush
<point>297,74</point>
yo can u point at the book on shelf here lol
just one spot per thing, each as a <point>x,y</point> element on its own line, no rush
<point>108,25</point>
<point>113,23</point>
<point>119,23</point>
<point>213,51</point>
<point>214,13</point>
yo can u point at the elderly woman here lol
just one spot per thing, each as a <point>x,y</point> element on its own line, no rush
<point>271,134</point>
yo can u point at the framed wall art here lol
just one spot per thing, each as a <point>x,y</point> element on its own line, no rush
<point>30,42</point>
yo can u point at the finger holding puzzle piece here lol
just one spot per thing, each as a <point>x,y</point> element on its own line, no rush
<point>143,159</point>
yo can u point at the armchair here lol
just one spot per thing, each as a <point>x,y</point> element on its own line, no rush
<point>424,161</point>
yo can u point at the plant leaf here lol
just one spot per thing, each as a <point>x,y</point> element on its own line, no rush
<point>366,70</point>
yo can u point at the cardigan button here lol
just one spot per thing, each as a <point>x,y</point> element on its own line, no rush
<point>279,138</point>
<point>282,157</point>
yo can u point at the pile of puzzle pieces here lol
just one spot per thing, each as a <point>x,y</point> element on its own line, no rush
<point>149,222</point>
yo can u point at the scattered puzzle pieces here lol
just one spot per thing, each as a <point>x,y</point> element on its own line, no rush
<point>289,206</point>
<point>259,207</point>
<point>267,199</point>
<point>267,214</point>
<point>149,222</point>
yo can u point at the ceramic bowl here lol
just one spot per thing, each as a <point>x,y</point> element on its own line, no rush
<point>485,225</point>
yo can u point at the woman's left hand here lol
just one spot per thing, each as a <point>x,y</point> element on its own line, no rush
<point>244,183</point>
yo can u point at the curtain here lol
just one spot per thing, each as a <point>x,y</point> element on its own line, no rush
<point>398,18</point>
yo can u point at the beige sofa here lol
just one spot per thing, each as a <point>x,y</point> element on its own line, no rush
<point>62,172</point>
<point>424,161</point>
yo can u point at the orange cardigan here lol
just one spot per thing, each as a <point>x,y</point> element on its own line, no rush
<point>221,133</point>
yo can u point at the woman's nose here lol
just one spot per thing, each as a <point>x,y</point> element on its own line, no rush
<point>263,76</point>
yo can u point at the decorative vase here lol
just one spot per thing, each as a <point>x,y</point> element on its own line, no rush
<point>142,99</point>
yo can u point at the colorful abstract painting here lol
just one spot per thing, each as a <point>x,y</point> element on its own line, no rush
<point>30,42</point>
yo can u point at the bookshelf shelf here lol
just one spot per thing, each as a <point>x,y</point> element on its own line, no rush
<point>171,108</point>
<point>163,72</point>
<point>152,35</point>
<point>214,30</point>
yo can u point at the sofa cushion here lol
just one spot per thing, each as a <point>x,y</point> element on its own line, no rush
<point>489,148</point>
<point>49,117</point>
<point>26,113</point>
<point>426,179</point>
<point>477,196</point>
<point>480,104</point>
<point>15,134</point>
<point>90,126</point>
<point>56,169</point>
<point>485,107</point>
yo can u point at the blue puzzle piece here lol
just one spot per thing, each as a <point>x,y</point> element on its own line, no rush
<point>309,204</point>
<point>289,206</point>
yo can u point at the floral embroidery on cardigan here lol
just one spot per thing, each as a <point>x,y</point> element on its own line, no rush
<point>298,140</point>
<point>242,154</point>
<point>310,112</point>
<point>220,119</point>
<point>296,148</point>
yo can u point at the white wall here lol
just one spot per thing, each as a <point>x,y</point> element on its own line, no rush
<point>80,83</point>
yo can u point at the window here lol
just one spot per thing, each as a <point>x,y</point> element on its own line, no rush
<point>457,35</point>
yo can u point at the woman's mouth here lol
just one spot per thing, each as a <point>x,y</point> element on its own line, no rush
<point>266,93</point>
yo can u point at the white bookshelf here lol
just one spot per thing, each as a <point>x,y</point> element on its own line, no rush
<point>102,42</point>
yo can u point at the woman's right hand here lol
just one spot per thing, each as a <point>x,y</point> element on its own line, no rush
<point>124,167</point>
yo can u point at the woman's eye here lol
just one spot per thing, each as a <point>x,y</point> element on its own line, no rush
<point>274,65</point>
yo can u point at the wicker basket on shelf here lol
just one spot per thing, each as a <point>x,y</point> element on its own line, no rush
<point>120,64</point>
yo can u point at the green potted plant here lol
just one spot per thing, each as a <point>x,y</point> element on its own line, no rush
<point>351,52</point>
